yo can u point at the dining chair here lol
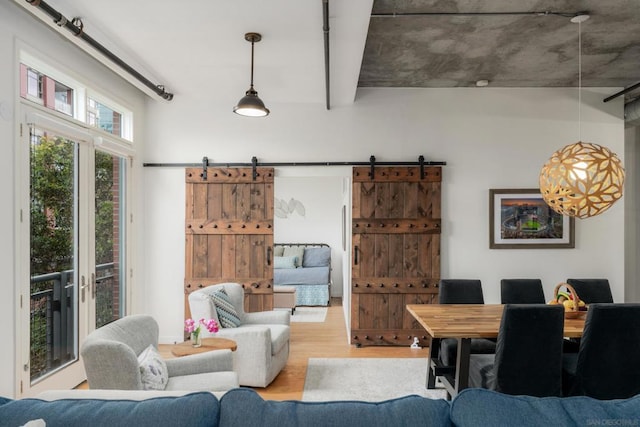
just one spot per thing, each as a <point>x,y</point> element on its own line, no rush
<point>607,363</point>
<point>462,291</point>
<point>592,290</point>
<point>521,291</point>
<point>528,357</point>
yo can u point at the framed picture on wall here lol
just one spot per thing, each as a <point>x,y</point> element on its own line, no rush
<point>520,219</point>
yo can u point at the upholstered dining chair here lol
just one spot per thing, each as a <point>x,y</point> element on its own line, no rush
<point>123,355</point>
<point>607,363</point>
<point>592,290</point>
<point>521,291</point>
<point>262,337</point>
<point>461,291</point>
<point>528,358</point>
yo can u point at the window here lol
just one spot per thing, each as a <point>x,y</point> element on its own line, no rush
<point>38,87</point>
<point>103,117</point>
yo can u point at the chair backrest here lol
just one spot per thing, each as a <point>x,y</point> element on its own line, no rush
<point>609,356</point>
<point>521,291</point>
<point>201,305</point>
<point>592,290</point>
<point>460,291</point>
<point>528,357</point>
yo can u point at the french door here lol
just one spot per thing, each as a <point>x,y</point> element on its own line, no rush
<point>73,278</point>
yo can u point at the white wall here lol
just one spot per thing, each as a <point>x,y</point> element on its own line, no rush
<point>18,29</point>
<point>322,219</point>
<point>632,210</point>
<point>490,138</point>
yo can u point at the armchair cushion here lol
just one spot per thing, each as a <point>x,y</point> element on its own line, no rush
<point>227,314</point>
<point>153,369</point>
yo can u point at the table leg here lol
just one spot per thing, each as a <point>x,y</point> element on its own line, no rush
<point>434,353</point>
<point>462,365</point>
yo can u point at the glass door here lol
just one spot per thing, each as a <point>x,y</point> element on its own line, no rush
<point>58,284</point>
<point>76,256</point>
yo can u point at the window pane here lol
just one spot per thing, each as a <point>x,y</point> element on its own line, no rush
<point>53,247</point>
<point>34,83</point>
<point>110,278</point>
<point>64,99</point>
<point>103,117</point>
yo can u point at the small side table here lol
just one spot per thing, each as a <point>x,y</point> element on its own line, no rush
<point>208,344</point>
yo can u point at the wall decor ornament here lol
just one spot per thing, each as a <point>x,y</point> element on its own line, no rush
<point>521,219</point>
<point>582,180</point>
<point>284,209</point>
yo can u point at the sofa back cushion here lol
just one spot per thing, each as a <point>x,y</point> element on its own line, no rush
<point>195,409</point>
<point>317,257</point>
<point>476,406</point>
<point>245,407</point>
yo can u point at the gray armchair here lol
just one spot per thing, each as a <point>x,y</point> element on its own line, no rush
<point>110,356</point>
<point>262,337</point>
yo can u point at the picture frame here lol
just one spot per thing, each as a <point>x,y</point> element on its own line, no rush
<point>520,219</point>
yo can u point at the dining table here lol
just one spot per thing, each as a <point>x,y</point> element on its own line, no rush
<point>465,322</point>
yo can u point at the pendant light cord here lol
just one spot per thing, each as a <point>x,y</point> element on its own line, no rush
<point>579,81</point>
<point>252,43</point>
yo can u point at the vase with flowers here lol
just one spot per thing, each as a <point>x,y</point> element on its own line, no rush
<point>194,329</point>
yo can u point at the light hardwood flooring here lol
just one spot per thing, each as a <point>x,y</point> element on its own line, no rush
<point>309,340</point>
<point>328,339</point>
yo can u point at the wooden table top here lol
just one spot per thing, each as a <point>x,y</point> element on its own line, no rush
<point>472,320</point>
<point>208,344</point>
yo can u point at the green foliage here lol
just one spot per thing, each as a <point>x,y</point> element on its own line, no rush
<point>53,206</point>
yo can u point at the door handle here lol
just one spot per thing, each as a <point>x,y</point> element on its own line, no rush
<point>355,254</point>
<point>268,255</point>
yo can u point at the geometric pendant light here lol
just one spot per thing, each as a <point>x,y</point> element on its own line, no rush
<point>251,105</point>
<point>581,179</point>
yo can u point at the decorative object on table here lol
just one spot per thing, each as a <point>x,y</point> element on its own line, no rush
<point>191,327</point>
<point>582,179</point>
<point>574,307</point>
<point>521,219</point>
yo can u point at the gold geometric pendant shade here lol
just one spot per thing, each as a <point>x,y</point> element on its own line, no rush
<point>582,180</point>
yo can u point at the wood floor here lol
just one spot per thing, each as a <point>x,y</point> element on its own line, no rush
<point>328,339</point>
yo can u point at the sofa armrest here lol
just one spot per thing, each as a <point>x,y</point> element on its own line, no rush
<point>210,361</point>
<point>111,365</point>
<point>275,317</point>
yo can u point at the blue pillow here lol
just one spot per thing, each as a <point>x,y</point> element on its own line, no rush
<point>196,409</point>
<point>317,257</point>
<point>245,407</point>
<point>284,262</point>
<point>475,406</point>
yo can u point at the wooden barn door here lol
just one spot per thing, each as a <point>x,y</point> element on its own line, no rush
<point>395,253</point>
<point>229,232</point>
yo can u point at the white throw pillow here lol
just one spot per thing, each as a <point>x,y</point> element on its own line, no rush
<point>153,369</point>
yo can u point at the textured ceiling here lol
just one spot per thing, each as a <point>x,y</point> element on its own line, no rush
<point>509,51</point>
<point>196,48</point>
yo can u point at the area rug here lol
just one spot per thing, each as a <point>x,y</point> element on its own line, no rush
<point>308,314</point>
<point>367,379</point>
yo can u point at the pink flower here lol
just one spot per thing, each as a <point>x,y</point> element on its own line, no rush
<point>193,328</point>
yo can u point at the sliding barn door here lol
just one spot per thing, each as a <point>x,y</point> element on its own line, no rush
<point>229,232</point>
<point>396,252</point>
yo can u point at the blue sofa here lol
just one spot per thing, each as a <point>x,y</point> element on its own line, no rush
<point>244,407</point>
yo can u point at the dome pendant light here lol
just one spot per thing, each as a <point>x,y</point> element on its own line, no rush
<point>251,105</point>
<point>581,179</point>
